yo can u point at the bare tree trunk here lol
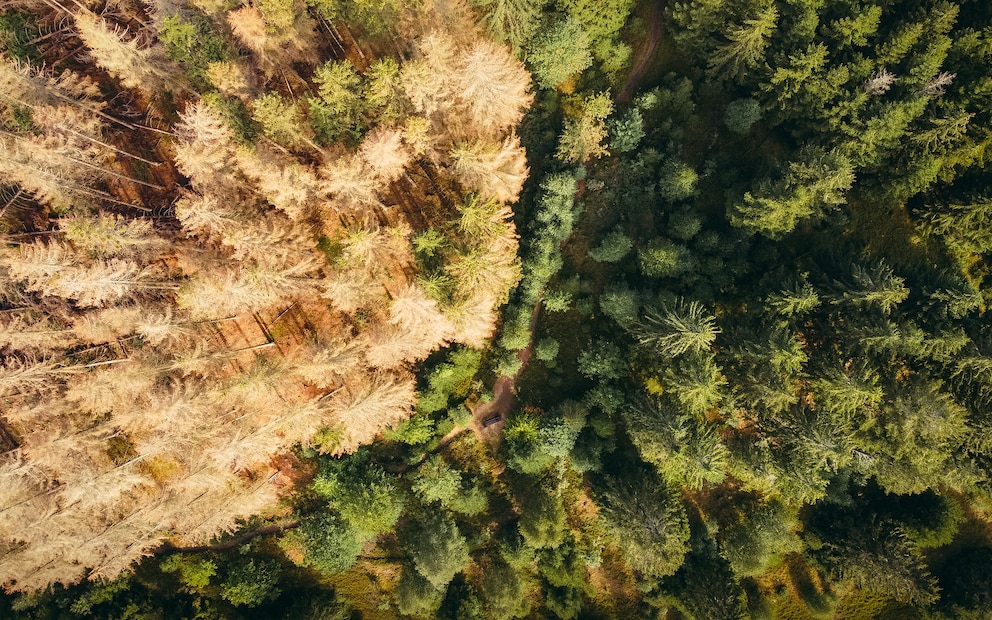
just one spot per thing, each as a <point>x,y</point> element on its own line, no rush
<point>275,528</point>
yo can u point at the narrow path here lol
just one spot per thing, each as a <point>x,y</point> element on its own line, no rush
<point>647,52</point>
<point>504,391</point>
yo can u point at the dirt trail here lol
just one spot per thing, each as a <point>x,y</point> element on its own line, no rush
<point>504,391</point>
<point>647,52</point>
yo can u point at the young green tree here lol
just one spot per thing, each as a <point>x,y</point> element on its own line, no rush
<point>438,549</point>
<point>662,258</point>
<point>542,519</point>
<point>281,120</point>
<point>436,481</point>
<point>249,583</point>
<point>583,136</point>
<point>685,450</point>
<point>336,111</point>
<point>559,52</point>
<point>415,595</point>
<point>612,248</point>
<point>677,181</point>
<point>503,591</point>
<point>741,115</point>
<point>330,545</point>
<point>762,537</point>
<point>364,495</point>
<point>602,359</point>
<point>875,285</point>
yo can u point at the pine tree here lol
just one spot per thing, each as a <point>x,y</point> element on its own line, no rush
<point>849,397</point>
<point>496,170</point>
<point>289,186</point>
<point>55,172</point>
<point>814,183</point>
<point>876,285</point>
<point>145,68</point>
<point>963,226</point>
<point>918,441</point>
<point>797,299</point>
<point>762,537</point>
<point>103,281</point>
<point>696,383</point>
<point>559,52</point>
<point>746,46</point>
<point>416,595</point>
<point>683,328</point>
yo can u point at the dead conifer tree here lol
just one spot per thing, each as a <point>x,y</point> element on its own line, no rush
<point>106,235</point>
<point>385,154</point>
<point>494,169</point>
<point>376,402</point>
<point>288,185</point>
<point>205,148</point>
<point>493,88</point>
<point>278,32</point>
<point>142,67</point>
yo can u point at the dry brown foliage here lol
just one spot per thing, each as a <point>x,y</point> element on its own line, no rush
<point>155,358</point>
<point>135,66</point>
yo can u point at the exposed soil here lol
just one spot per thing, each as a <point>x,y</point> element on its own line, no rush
<point>645,55</point>
<point>504,392</point>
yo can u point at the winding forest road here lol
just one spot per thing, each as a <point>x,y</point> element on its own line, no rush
<point>644,57</point>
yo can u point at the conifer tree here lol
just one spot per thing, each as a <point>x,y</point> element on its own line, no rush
<point>746,45</point>
<point>511,21</point>
<point>812,185</point>
<point>145,68</point>
<point>876,285</point>
<point>684,328</point>
<point>583,136</point>
<point>493,89</point>
<point>559,52</point>
<point>646,521</point>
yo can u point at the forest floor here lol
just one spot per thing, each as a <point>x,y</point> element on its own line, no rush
<point>504,392</point>
<point>647,52</point>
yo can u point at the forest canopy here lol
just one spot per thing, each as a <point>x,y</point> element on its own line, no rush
<point>496,309</point>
